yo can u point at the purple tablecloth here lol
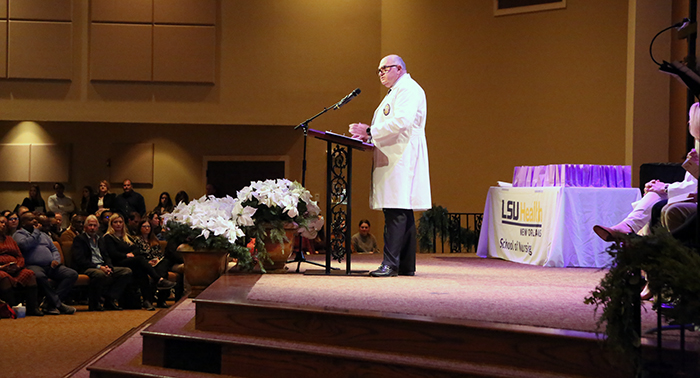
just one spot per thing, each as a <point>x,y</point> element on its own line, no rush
<point>574,175</point>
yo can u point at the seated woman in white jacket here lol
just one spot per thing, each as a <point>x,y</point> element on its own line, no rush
<point>677,193</point>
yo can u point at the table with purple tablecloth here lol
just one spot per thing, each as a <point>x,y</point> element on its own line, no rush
<point>550,225</point>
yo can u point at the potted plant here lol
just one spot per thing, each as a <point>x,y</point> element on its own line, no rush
<point>206,233</point>
<point>271,212</point>
<point>672,273</point>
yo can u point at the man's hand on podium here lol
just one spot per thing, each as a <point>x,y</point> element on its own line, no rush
<point>359,131</point>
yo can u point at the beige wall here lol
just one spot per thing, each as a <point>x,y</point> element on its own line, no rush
<point>539,88</point>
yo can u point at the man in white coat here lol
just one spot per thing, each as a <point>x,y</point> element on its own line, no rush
<point>400,179</point>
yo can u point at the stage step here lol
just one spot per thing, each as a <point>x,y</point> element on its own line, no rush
<point>329,338</point>
<point>220,333</point>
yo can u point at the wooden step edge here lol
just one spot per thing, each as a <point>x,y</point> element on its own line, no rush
<point>319,352</point>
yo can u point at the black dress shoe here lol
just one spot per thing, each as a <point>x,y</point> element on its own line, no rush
<point>111,304</point>
<point>384,271</point>
<point>95,307</point>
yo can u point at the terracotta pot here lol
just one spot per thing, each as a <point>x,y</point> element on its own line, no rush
<point>202,267</point>
<point>279,252</point>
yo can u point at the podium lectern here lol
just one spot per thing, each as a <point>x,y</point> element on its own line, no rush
<point>338,198</point>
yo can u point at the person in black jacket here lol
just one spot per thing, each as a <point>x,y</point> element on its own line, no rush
<point>106,280</point>
<point>103,199</point>
<point>124,252</point>
<point>34,202</point>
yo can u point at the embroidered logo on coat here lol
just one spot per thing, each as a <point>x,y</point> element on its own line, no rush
<point>387,109</point>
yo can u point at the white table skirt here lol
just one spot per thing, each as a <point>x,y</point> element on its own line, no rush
<point>552,226</point>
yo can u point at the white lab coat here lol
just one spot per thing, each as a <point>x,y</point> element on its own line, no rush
<point>401,178</point>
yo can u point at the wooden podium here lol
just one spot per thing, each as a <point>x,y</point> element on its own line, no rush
<point>338,198</point>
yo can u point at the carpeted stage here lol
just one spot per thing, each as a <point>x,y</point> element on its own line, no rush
<point>460,286</point>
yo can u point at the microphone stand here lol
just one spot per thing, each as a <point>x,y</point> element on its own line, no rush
<point>299,256</point>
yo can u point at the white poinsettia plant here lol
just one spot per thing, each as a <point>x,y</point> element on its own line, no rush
<point>261,210</point>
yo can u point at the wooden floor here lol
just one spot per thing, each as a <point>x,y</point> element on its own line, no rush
<point>222,332</point>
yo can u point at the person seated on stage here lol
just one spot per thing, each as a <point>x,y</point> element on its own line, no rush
<point>75,229</point>
<point>61,203</point>
<point>165,204</point>
<point>12,224</point>
<point>107,282</point>
<point>46,227</point>
<point>103,199</point>
<point>14,275</point>
<point>34,202</point>
<point>123,252</point>
<point>364,241</point>
<point>654,191</point>
<point>43,258</point>
<point>149,248</point>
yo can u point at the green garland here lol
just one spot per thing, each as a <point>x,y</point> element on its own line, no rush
<point>181,233</point>
<point>673,271</point>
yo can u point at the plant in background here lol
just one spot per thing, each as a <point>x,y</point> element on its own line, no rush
<point>672,272</point>
<point>266,208</point>
<point>208,223</point>
<point>435,224</point>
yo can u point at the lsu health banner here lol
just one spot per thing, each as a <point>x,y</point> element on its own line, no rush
<point>522,223</point>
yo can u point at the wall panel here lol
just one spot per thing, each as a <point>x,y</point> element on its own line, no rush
<point>50,163</point>
<point>122,10</point>
<point>40,50</point>
<point>47,10</point>
<point>184,53</point>
<point>201,12</point>
<point>120,52</point>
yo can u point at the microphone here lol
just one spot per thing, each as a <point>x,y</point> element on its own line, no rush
<point>682,25</point>
<point>347,99</point>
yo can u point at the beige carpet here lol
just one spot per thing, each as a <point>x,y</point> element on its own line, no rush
<point>52,346</point>
<point>452,286</point>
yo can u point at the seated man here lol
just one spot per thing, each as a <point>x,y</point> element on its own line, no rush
<point>106,280</point>
<point>75,229</point>
<point>46,226</point>
<point>43,258</point>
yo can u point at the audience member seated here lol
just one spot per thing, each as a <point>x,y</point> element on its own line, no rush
<point>56,222</point>
<point>210,190</point>
<point>88,192</point>
<point>46,227</point>
<point>107,282</point>
<point>133,223</point>
<point>104,216</point>
<point>60,203</point>
<point>364,241</point>
<point>156,225</point>
<point>149,248</point>
<point>103,199</point>
<point>15,276</point>
<point>122,250</point>
<point>12,224</point>
<point>129,201</point>
<point>21,210</point>
<point>43,258</point>
<point>181,196</point>
<point>75,229</point>
<point>165,204</point>
<point>177,266</point>
<point>34,202</point>
<point>654,191</point>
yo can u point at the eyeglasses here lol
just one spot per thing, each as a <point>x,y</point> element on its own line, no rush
<point>385,69</point>
<point>13,219</point>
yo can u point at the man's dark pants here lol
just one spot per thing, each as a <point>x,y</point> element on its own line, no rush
<point>400,240</point>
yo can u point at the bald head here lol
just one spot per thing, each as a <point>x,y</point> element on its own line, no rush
<point>390,70</point>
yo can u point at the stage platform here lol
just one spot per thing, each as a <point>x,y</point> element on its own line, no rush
<point>459,316</point>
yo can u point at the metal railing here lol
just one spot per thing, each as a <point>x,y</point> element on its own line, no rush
<point>456,235</point>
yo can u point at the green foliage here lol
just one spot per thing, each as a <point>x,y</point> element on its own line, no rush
<point>672,271</point>
<point>435,225</point>
<point>181,233</point>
